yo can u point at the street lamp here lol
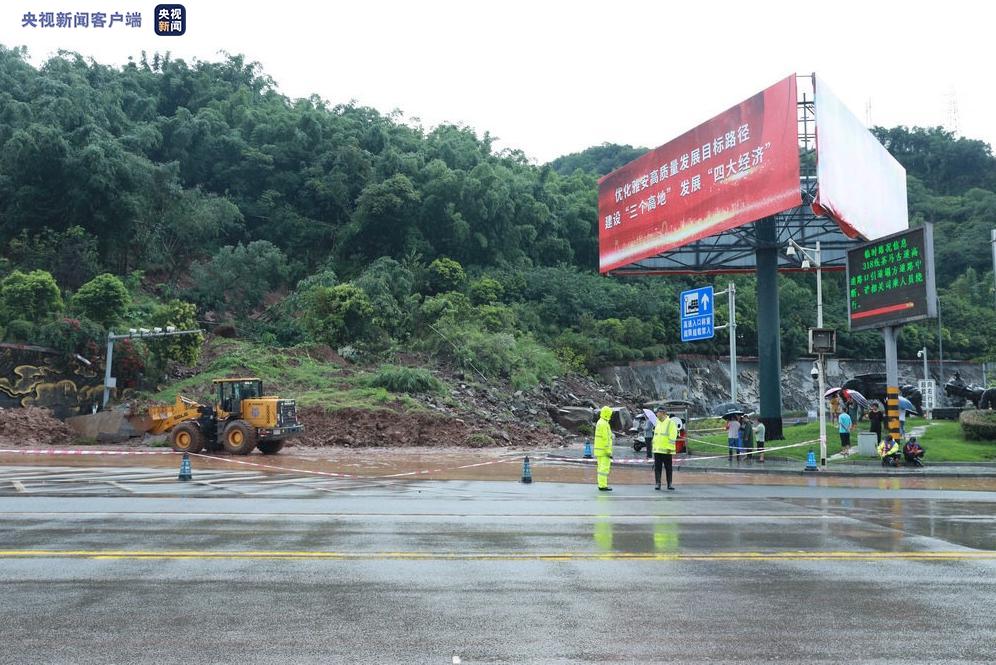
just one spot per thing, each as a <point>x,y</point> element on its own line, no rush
<point>811,257</point>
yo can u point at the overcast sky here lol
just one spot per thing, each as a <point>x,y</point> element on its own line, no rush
<point>551,77</point>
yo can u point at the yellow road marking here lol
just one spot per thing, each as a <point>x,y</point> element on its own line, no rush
<point>509,556</point>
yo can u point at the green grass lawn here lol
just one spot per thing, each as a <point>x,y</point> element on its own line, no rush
<point>943,441</point>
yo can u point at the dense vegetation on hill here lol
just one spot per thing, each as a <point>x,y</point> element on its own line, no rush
<point>168,192</point>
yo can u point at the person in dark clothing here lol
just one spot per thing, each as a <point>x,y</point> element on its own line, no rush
<point>875,418</point>
<point>648,437</point>
<point>747,439</point>
<point>665,436</point>
<point>913,452</point>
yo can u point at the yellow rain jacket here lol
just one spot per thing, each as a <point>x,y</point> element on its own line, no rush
<point>603,433</point>
<point>888,447</point>
<point>665,435</point>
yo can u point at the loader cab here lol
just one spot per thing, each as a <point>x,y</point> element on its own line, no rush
<point>231,392</point>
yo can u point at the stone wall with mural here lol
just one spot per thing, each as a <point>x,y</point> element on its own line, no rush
<point>38,376</point>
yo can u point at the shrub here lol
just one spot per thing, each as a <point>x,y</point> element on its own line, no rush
<point>338,315</point>
<point>405,380</point>
<point>496,318</point>
<point>445,275</point>
<point>485,291</point>
<point>20,331</point>
<point>978,425</point>
<point>103,299</point>
<point>495,353</point>
<point>480,440</point>
<point>31,296</point>
<point>68,335</point>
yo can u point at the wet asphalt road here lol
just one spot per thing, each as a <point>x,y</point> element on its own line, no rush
<point>268,570</point>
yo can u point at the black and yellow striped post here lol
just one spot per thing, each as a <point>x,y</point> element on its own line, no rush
<point>892,412</point>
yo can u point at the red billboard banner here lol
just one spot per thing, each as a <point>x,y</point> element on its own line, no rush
<point>732,170</point>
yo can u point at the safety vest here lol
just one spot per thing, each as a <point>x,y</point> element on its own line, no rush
<point>603,434</point>
<point>665,434</point>
<point>885,448</point>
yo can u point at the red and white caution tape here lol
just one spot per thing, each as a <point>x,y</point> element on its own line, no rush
<point>57,451</point>
<point>230,460</point>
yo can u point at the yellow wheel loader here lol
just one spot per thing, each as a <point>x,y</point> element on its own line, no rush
<point>243,418</point>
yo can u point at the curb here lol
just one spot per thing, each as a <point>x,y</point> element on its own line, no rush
<point>871,473</point>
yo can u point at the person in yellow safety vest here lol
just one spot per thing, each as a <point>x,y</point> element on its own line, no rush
<point>603,448</point>
<point>665,436</point>
<point>888,450</point>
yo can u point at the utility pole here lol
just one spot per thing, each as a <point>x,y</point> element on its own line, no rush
<point>133,333</point>
<point>731,325</point>
<point>992,243</point>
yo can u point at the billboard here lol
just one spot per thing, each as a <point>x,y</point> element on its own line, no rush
<point>861,186</point>
<point>891,280</point>
<point>734,169</point>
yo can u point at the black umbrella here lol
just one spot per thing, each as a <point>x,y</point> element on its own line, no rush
<point>730,415</point>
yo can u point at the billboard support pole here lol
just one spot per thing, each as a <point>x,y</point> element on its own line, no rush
<point>768,328</point>
<point>889,334</point>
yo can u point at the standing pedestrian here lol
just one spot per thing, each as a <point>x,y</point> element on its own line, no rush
<point>759,438</point>
<point>875,421</point>
<point>844,428</point>
<point>603,448</point>
<point>648,436</point>
<point>665,435</point>
<point>733,438</point>
<point>902,423</point>
<point>747,439</point>
<point>834,408</point>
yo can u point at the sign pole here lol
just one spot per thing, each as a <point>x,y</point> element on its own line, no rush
<point>889,334</point>
<point>823,412</point>
<point>107,367</point>
<point>732,291</point>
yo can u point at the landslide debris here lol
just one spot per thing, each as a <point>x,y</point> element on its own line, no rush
<point>33,426</point>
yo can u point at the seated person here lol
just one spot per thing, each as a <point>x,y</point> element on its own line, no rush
<point>888,450</point>
<point>913,452</point>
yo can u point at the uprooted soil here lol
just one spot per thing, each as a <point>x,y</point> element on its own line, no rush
<point>360,428</point>
<point>33,426</point>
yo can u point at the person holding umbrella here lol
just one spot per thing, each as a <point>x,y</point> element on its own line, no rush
<point>733,435</point>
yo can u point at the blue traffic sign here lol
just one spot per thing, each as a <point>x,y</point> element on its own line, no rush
<point>697,320</point>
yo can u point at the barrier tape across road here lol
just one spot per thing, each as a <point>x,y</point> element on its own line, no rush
<point>230,460</point>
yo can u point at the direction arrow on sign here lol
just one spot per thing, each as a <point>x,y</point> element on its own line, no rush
<point>696,320</point>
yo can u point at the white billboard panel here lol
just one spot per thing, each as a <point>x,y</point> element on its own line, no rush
<point>860,185</point>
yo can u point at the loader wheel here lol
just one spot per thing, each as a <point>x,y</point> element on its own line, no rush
<point>240,438</point>
<point>270,447</point>
<point>187,438</point>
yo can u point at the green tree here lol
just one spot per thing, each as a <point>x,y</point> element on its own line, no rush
<point>71,255</point>
<point>445,275</point>
<point>180,348</point>
<point>103,299</point>
<point>486,291</point>
<point>32,296</point>
<point>338,315</point>
<point>237,278</point>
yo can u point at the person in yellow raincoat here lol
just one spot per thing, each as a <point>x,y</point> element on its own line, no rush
<point>888,450</point>
<point>665,435</point>
<point>603,448</point>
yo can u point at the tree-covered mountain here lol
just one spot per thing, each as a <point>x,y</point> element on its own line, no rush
<point>166,190</point>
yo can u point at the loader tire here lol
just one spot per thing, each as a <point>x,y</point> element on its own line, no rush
<point>187,438</point>
<point>239,438</point>
<point>270,447</point>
